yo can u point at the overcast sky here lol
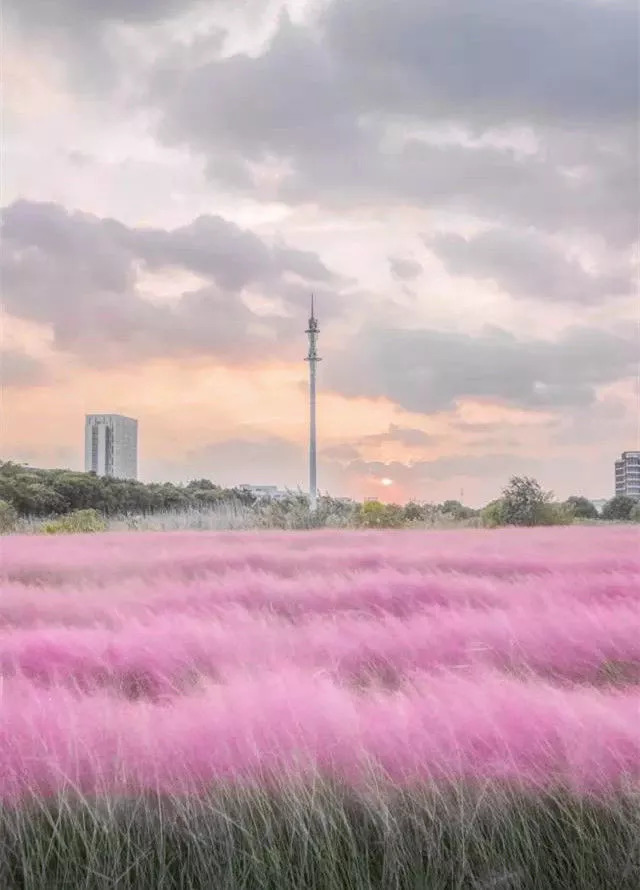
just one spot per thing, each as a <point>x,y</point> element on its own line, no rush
<point>457,182</point>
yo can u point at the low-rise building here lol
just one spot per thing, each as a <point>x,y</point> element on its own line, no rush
<point>272,492</point>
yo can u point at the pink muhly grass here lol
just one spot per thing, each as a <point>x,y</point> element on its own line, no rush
<point>178,660</point>
<point>166,652</point>
<point>443,728</point>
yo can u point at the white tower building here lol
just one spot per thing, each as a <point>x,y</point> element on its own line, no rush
<point>111,445</point>
<point>313,359</point>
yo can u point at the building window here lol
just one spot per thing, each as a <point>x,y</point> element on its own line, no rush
<point>94,448</point>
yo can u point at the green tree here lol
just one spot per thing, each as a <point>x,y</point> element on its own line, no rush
<point>457,510</point>
<point>634,516</point>
<point>581,508</point>
<point>8,517</point>
<point>619,508</point>
<point>523,501</point>
<point>202,485</point>
<point>492,515</point>
<point>78,491</point>
<point>413,512</point>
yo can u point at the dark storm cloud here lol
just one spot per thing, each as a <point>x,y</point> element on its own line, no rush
<point>78,273</point>
<point>20,370</point>
<point>404,269</point>
<point>525,265</point>
<point>426,370</point>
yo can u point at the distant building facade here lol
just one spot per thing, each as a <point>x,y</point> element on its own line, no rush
<point>628,474</point>
<point>111,445</point>
<point>272,492</point>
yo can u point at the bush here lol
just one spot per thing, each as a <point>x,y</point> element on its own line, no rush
<point>413,512</point>
<point>375,514</point>
<point>457,511</point>
<point>75,523</point>
<point>619,508</point>
<point>634,516</point>
<point>8,518</point>
<point>581,508</point>
<point>554,514</point>
<point>294,513</point>
<point>492,515</point>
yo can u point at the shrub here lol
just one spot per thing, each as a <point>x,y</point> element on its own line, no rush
<point>375,514</point>
<point>554,514</point>
<point>581,508</point>
<point>619,508</point>
<point>634,516</point>
<point>77,522</point>
<point>492,515</point>
<point>8,518</point>
<point>457,511</point>
<point>413,512</point>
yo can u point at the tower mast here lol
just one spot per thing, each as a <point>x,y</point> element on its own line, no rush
<point>313,359</point>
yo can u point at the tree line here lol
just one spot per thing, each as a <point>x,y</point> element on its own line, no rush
<point>27,492</point>
<point>43,493</point>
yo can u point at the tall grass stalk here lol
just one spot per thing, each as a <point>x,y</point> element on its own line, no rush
<point>324,837</point>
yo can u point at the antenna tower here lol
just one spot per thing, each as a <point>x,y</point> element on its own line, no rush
<point>313,359</point>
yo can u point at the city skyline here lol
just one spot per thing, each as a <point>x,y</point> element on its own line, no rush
<point>178,180</point>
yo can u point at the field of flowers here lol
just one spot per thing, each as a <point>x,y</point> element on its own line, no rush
<point>326,710</point>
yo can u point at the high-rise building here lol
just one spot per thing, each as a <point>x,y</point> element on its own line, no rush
<point>628,474</point>
<point>111,445</point>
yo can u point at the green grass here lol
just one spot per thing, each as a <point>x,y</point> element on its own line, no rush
<point>325,838</point>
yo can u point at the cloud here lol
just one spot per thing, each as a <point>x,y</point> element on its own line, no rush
<point>278,462</point>
<point>501,61</point>
<point>79,274</point>
<point>407,436</point>
<point>18,369</point>
<point>341,453</point>
<point>73,13</point>
<point>565,70</point>
<point>427,370</point>
<point>525,265</point>
<point>404,269</point>
<point>274,459</point>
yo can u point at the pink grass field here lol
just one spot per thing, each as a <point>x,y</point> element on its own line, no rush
<point>172,661</point>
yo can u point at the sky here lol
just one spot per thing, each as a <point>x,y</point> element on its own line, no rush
<point>456,182</point>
